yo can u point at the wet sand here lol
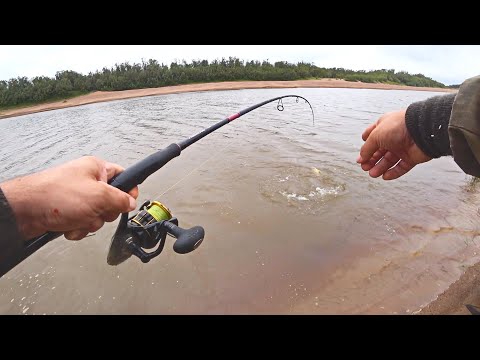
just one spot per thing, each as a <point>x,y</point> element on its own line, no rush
<point>102,96</point>
<point>465,291</point>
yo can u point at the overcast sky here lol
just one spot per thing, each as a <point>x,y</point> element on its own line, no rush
<point>449,64</point>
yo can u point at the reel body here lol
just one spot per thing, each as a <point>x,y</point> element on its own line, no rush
<point>144,225</point>
<point>149,227</point>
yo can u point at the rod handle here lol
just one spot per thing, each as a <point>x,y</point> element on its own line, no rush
<point>137,173</point>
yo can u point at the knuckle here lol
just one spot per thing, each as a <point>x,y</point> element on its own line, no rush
<point>389,156</point>
<point>75,236</point>
<point>90,158</point>
<point>103,192</point>
<point>111,217</point>
<point>95,161</point>
<point>124,202</point>
<point>97,225</point>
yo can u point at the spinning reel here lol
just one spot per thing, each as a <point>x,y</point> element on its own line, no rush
<point>148,228</point>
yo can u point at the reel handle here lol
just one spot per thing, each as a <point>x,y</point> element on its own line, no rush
<point>187,239</point>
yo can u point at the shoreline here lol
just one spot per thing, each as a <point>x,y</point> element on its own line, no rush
<point>453,301</point>
<point>103,96</point>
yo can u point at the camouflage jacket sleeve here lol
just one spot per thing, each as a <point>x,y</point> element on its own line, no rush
<point>11,241</point>
<point>464,128</point>
<point>449,125</point>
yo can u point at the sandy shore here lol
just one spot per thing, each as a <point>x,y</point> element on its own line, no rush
<point>101,96</point>
<point>465,291</point>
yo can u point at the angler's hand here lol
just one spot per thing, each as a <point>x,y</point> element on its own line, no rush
<point>73,198</point>
<point>389,150</point>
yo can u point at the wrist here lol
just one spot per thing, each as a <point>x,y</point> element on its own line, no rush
<point>29,217</point>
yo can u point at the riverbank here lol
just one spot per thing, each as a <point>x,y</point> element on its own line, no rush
<point>453,301</point>
<point>102,96</point>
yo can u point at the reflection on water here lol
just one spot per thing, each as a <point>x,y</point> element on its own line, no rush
<point>293,225</point>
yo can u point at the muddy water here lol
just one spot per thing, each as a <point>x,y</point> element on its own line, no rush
<point>292,223</point>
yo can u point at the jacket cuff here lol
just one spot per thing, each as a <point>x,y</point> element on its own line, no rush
<point>11,241</point>
<point>427,122</point>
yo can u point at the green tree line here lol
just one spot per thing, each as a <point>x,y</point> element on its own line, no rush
<point>147,74</point>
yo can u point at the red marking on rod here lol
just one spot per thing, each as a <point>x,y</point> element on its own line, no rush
<point>233,117</point>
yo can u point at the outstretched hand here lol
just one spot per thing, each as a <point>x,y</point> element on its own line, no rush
<point>389,150</point>
<point>73,198</point>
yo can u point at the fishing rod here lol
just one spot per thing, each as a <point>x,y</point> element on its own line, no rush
<point>154,220</point>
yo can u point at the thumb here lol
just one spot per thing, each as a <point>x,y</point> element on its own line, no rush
<point>117,200</point>
<point>368,131</point>
<point>112,169</point>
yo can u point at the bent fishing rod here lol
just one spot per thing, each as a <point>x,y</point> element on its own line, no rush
<point>154,220</point>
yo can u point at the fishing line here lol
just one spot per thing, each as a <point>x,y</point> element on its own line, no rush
<point>280,107</point>
<point>191,172</point>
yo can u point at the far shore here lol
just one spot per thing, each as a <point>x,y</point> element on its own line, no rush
<point>102,96</point>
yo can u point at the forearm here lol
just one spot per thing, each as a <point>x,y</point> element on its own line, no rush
<point>11,241</point>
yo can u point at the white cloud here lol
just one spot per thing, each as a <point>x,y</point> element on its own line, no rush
<point>448,64</point>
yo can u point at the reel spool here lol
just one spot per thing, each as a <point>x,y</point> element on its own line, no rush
<point>148,228</point>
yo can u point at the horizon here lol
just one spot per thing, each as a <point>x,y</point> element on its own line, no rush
<point>448,64</point>
<point>210,62</point>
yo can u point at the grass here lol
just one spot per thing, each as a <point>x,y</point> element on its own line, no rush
<point>71,94</point>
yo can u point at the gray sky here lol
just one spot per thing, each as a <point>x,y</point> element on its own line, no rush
<point>449,64</point>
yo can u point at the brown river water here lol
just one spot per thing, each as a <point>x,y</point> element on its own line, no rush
<point>293,225</point>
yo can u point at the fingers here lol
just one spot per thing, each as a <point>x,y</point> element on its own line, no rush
<point>78,234</point>
<point>75,234</point>
<point>365,136</point>
<point>106,170</point>
<point>134,192</point>
<point>110,216</point>
<point>95,225</point>
<point>91,165</point>
<point>112,170</point>
<point>115,200</point>
<point>112,201</point>
<point>400,169</point>
<point>368,149</point>
<point>388,160</point>
<point>374,159</point>
<point>119,202</point>
<point>387,164</point>
<point>368,130</point>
